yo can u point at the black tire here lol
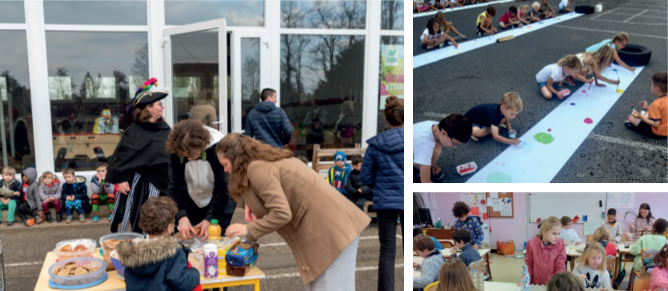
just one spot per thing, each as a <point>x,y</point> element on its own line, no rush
<point>635,55</point>
<point>586,9</point>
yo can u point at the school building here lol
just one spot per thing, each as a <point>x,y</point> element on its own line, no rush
<point>68,69</point>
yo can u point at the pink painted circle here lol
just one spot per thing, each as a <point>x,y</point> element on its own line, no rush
<point>588,120</point>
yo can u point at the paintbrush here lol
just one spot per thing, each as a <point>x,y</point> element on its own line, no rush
<point>617,83</point>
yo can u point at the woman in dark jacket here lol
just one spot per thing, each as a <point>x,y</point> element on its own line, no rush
<point>197,180</point>
<point>140,158</point>
<point>383,168</point>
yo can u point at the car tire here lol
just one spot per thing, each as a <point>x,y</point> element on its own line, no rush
<point>635,55</point>
<point>586,9</point>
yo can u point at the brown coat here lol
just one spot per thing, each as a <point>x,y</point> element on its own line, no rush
<point>313,218</point>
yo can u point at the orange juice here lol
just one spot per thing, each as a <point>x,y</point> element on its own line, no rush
<point>214,231</point>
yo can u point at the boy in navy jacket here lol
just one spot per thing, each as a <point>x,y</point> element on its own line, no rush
<point>75,195</point>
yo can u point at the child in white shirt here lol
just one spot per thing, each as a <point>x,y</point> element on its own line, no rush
<point>612,226</point>
<point>567,233</point>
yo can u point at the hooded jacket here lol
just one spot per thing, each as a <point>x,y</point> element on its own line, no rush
<point>383,169</point>
<point>32,192</point>
<point>159,264</point>
<point>199,187</point>
<point>269,124</point>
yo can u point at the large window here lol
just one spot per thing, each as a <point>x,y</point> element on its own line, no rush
<point>391,80</point>
<point>92,76</point>
<point>339,14</point>
<point>250,75</point>
<point>126,12</point>
<point>392,17</point>
<point>322,80</point>
<point>12,12</point>
<point>236,13</point>
<point>17,130</point>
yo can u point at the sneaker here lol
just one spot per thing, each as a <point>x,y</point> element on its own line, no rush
<point>10,223</point>
<point>69,219</point>
<point>39,219</point>
<point>59,217</point>
<point>456,38</point>
<point>29,222</point>
<point>109,217</point>
<point>82,218</point>
<point>95,218</point>
<point>462,36</point>
<point>473,138</point>
<point>48,218</point>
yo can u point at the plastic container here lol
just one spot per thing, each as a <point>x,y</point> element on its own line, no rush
<point>214,231</point>
<point>120,269</point>
<point>223,246</point>
<point>565,92</point>
<point>210,261</point>
<point>467,168</point>
<point>83,279</point>
<point>119,236</point>
<point>88,244</point>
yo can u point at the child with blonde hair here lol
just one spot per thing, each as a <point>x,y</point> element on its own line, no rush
<point>446,27</point>
<point>548,77</point>
<point>523,14</point>
<point>596,62</point>
<point>534,13</point>
<point>454,275</point>
<point>564,281</point>
<point>659,279</point>
<point>590,267</point>
<point>602,236</point>
<point>49,191</point>
<point>487,118</point>
<point>545,253</point>
<point>617,42</point>
<point>15,198</point>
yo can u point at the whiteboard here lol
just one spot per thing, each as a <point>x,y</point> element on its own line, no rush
<point>544,205</point>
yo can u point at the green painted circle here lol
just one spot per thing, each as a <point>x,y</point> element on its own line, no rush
<point>498,177</point>
<point>544,138</point>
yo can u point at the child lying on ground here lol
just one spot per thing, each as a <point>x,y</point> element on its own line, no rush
<point>487,118</point>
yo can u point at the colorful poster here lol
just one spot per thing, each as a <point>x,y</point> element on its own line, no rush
<point>391,72</point>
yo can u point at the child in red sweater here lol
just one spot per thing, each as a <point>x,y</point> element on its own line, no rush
<point>546,255</point>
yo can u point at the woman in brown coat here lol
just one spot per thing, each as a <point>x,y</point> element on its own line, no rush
<point>320,225</point>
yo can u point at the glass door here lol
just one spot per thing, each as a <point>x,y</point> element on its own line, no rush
<point>249,51</point>
<point>196,72</point>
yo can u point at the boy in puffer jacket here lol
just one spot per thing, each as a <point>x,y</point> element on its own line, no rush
<point>157,262</point>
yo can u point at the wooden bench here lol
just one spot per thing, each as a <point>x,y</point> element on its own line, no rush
<point>320,154</point>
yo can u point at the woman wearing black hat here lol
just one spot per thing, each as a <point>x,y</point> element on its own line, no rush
<point>140,162</point>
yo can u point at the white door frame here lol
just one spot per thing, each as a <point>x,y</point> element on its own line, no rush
<point>236,76</point>
<point>222,65</point>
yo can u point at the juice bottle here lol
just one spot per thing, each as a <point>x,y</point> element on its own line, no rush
<point>214,231</point>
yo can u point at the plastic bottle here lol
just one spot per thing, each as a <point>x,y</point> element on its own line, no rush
<point>438,224</point>
<point>214,231</point>
<point>525,283</point>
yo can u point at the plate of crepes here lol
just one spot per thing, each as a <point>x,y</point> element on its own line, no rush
<point>77,273</point>
<point>76,248</point>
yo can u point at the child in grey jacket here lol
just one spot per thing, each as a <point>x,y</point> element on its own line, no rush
<point>31,190</point>
<point>431,266</point>
<point>49,191</point>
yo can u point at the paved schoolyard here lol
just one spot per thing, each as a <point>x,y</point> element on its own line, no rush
<point>611,153</point>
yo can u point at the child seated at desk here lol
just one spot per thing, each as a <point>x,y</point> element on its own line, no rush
<point>433,260</point>
<point>454,275</point>
<point>654,241</point>
<point>462,238</point>
<point>158,262</point>
<point>567,233</point>
<point>602,236</point>
<point>437,245</point>
<point>660,272</point>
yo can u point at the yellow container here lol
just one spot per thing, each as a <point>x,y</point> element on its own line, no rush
<point>221,260</point>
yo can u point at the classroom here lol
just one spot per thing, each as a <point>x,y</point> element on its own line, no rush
<point>506,230</point>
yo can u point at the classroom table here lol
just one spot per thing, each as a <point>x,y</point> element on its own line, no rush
<point>504,286</point>
<point>113,282</point>
<point>447,253</point>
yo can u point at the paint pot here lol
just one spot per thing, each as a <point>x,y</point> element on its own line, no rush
<point>598,8</point>
<point>565,92</point>
<point>467,168</point>
<point>512,133</point>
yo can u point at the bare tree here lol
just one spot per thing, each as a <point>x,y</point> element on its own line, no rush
<point>251,79</point>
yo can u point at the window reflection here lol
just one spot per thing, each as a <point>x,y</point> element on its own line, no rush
<point>126,12</point>
<point>391,81</point>
<point>12,12</point>
<point>92,76</point>
<point>236,13</point>
<point>250,75</point>
<point>392,15</point>
<point>17,131</point>
<point>346,14</point>
<point>322,79</point>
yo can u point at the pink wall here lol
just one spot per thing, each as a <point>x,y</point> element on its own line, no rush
<point>519,230</point>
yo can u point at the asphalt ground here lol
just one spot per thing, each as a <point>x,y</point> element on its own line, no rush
<point>611,153</point>
<point>24,250</point>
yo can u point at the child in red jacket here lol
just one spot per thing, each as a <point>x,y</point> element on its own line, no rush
<point>546,254</point>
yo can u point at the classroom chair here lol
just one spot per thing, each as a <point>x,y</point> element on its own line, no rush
<point>611,263</point>
<point>431,287</point>
<point>641,284</point>
<point>477,271</point>
<point>643,273</point>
